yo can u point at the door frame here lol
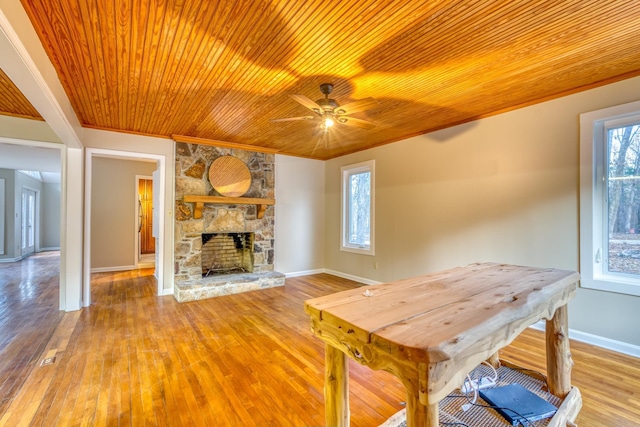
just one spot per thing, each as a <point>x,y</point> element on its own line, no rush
<point>160,160</point>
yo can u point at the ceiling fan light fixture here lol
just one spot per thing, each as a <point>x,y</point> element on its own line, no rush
<point>329,112</point>
<point>326,123</point>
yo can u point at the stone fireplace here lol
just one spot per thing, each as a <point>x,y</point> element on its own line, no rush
<point>247,256</point>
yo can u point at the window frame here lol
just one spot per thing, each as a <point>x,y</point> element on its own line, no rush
<point>593,198</point>
<point>346,172</point>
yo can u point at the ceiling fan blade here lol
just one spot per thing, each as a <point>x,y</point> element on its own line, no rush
<point>308,103</point>
<point>356,123</point>
<point>357,106</point>
<point>292,119</point>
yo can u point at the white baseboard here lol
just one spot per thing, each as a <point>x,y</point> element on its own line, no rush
<point>354,278</point>
<point>142,265</point>
<point>123,268</point>
<point>607,343</point>
<point>20,258</point>
<point>333,273</point>
<point>304,273</point>
<point>116,268</point>
<point>166,292</point>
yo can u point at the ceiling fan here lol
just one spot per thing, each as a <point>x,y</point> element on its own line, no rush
<point>329,112</point>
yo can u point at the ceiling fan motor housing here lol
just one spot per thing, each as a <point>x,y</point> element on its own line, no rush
<point>328,104</point>
<point>326,89</point>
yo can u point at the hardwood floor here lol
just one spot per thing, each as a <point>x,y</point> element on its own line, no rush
<point>29,313</point>
<point>244,360</point>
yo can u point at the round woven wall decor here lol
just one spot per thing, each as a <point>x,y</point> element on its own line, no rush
<point>229,176</point>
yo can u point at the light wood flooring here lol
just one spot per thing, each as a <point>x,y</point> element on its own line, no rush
<point>244,360</point>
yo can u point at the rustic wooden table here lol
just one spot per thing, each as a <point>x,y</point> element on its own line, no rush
<point>430,331</point>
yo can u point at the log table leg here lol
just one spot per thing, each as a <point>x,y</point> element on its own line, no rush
<point>336,387</point>
<point>494,360</point>
<point>419,415</point>
<point>559,362</point>
<point>433,416</point>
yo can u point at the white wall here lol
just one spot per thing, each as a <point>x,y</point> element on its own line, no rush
<point>502,189</point>
<point>50,219</point>
<point>299,228</point>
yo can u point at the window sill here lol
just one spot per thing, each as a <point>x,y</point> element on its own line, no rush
<point>361,251</point>
<point>617,286</point>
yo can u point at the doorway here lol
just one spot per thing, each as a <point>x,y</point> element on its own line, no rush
<point>159,220</point>
<point>28,221</point>
<point>145,238</point>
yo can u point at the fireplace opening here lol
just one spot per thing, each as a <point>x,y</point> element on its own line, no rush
<point>227,253</point>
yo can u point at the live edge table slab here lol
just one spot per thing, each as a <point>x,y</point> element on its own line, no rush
<point>431,331</point>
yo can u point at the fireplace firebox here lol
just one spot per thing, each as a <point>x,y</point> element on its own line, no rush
<point>227,253</point>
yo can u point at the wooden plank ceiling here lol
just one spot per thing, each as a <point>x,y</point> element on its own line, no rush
<point>222,69</point>
<point>13,102</point>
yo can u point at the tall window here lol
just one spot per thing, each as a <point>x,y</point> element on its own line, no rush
<point>33,174</point>
<point>357,208</point>
<point>610,199</point>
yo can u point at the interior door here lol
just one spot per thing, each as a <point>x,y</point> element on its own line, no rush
<point>28,221</point>
<point>145,226</point>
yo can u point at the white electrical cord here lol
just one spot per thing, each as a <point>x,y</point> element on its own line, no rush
<point>466,387</point>
<point>495,373</point>
<point>476,385</point>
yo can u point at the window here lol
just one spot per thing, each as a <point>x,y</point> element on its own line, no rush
<point>610,199</point>
<point>358,183</point>
<point>32,174</point>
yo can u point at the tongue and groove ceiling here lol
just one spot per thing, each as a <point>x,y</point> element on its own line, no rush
<point>13,102</point>
<point>221,70</point>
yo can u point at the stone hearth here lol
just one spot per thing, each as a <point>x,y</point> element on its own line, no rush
<point>215,286</point>
<point>192,168</point>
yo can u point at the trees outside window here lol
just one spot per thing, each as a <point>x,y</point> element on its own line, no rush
<point>357,208</point>
<point>623,187</point>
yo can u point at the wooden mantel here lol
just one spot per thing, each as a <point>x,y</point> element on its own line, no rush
<point>261,204</point>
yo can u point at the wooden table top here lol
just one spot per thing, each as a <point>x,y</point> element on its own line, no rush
<point>453,314</point>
